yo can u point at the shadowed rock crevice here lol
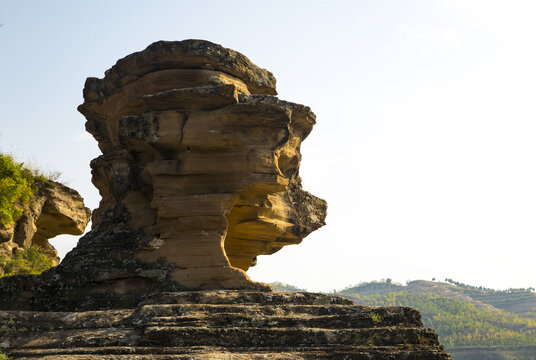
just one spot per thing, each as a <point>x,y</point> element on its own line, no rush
<point>263,225</point>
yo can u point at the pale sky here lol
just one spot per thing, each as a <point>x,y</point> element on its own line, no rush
<point>424,146</point>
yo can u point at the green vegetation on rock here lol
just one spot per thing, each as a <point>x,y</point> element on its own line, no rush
<point>17,185</point>
<point>33,260</point>
<point>16,188</point>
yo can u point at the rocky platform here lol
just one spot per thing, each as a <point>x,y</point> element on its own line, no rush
<point>223,324</point>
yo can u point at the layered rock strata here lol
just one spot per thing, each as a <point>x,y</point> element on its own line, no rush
<point>224,325</point>
<point>53,210</point>
<point>199,175</point>
<point>203,159</point>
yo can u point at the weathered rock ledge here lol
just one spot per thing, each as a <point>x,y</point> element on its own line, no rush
<point>223,325</point>
<point>53,210</point>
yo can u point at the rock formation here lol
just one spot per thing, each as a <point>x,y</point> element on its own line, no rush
<point>224,325</point>
<point>53,210</point>
<point>203,159</point>
<point>198,176</point>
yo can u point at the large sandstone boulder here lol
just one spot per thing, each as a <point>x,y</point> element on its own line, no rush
<point>53,210</point>
<point>202,158</point>
<point>199,175</point>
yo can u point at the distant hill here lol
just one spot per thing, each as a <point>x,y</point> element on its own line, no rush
<point>518,301</point>
<point>521,302</point>
<point>459,319</point>
<point>278,286</point>
<point>472,322</point>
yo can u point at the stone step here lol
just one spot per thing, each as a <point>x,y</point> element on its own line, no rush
<point>232,320</point>
<point>179,309</point>
<point>216,353</point>
<point>35,320</point>
<point>244,297</point>
<point>350,321</point>
<point>318,316</point>
<point>332,316</point>
<point>73,338</point>
<point>209,325</point>
<point>231,337</point>
<point>286,337</point>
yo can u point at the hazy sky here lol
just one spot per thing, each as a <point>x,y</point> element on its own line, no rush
<point>424,146</point>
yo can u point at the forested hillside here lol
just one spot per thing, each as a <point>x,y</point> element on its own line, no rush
<point>518,301</point>
<point>457,322</point>
<point>464,316</point>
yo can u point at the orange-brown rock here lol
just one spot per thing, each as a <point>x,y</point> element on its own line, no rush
<point>53,210</point>
<point>199,175</point>
<point>206,170</point>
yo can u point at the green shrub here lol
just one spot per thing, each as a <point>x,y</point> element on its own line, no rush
<point>16,188</point>
<point>3,356</point>
<point>33,260</point>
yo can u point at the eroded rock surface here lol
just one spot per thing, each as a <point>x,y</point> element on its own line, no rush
<point>224,325</point>
<point>54,209</point>
<point>203,159</point>
<point>199,175</point>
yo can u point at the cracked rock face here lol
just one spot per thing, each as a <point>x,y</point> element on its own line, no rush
<point>54,210</point>
<point>203,159</point>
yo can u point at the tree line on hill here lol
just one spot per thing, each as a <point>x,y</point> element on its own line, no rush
<point>462,315</point>
<point>459,323</point>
